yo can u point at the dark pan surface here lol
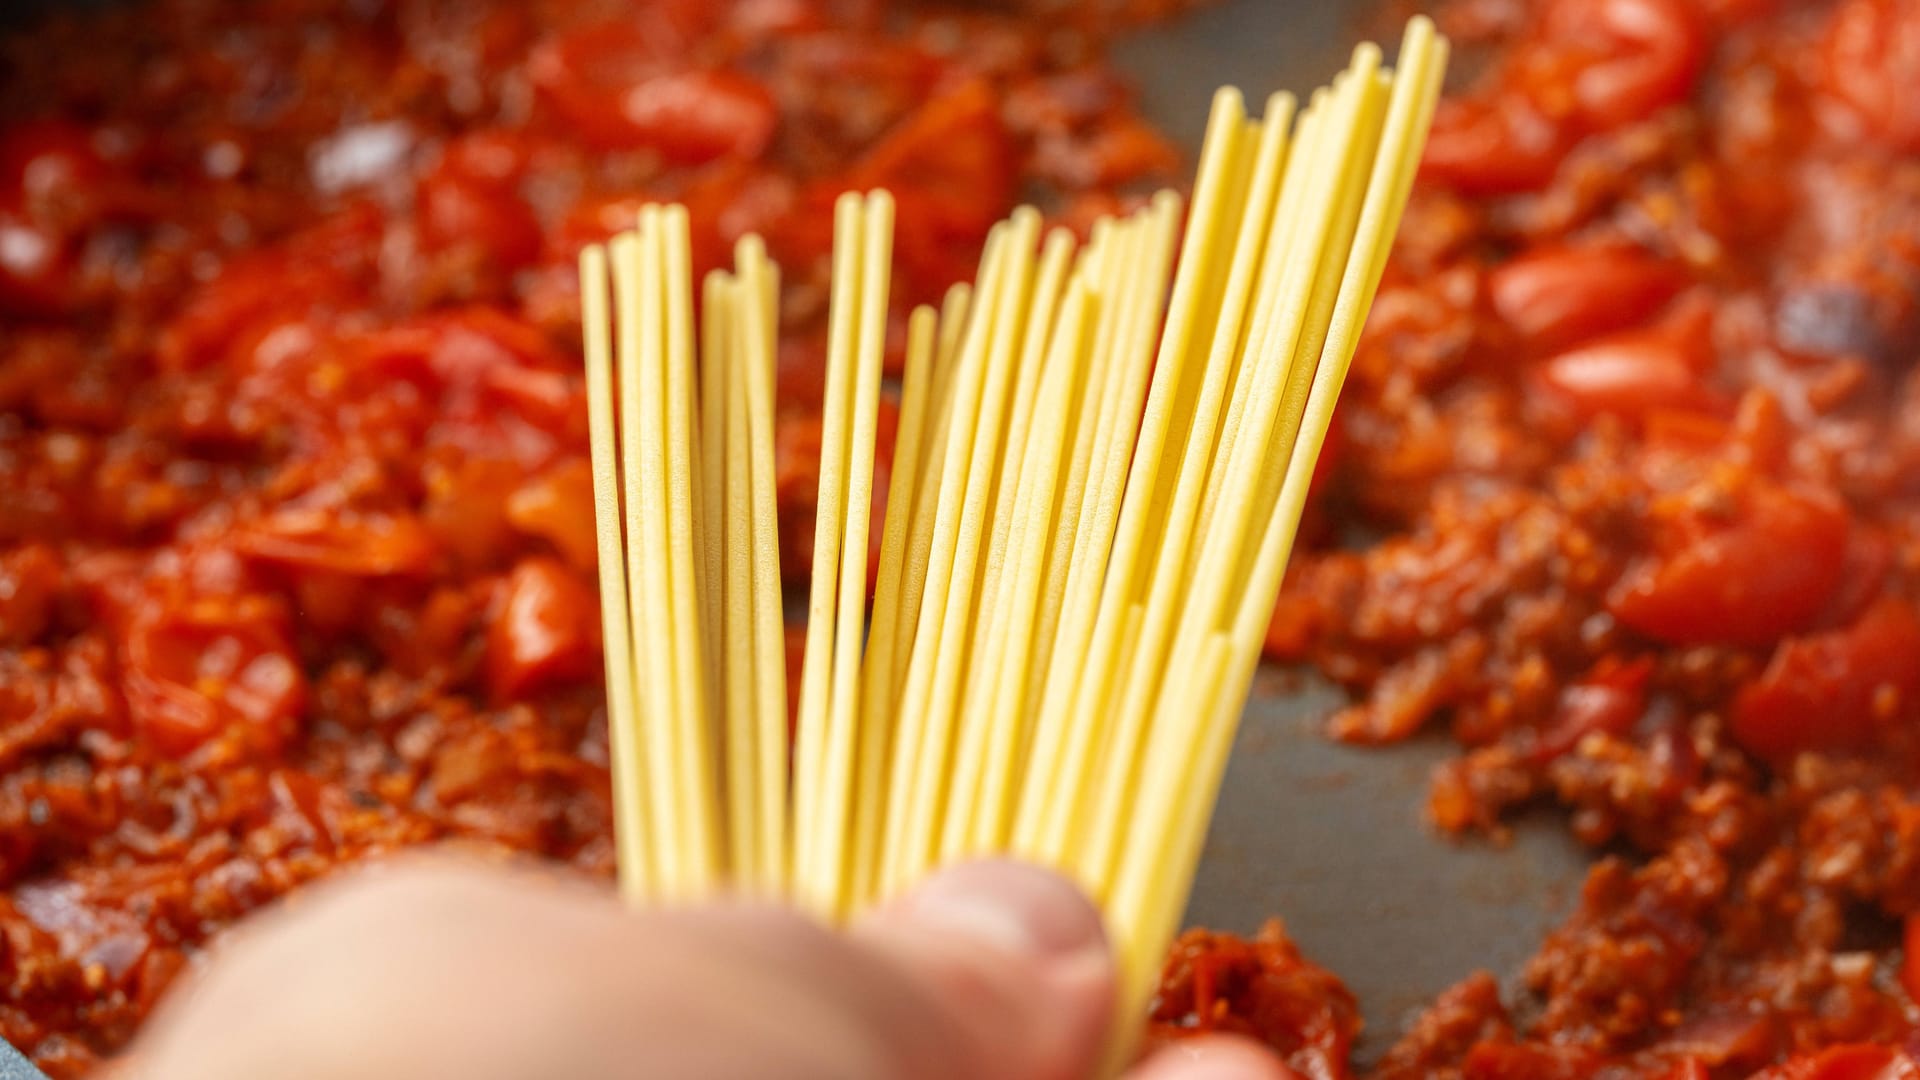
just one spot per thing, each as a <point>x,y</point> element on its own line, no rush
<point>1327,837</point>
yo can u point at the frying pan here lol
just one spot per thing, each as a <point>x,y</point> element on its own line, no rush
<point>1328,837</point>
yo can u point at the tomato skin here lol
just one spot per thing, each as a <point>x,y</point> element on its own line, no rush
<point>1868,60</point>
<point>546,630</point>
<point>1554,297</point>
<point>1746,575</point>
<point>1628,375</point>
<point>1642,55</point>
<point>1500,146</point>
<point>1836,691</point>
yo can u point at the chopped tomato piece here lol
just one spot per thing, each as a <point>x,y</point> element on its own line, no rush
<point>1743,567</point>
<point>546,630</point>
<point>1633,56</point>
<point>1554,297</point>
<point>1838,691</point>
<point>1492,146</point>
<point>558,505</point>
<point>1625,375</point>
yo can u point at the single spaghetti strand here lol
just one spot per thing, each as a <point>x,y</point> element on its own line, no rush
<point>741,790</point>
<point>833,873</point>
<point>710,467</point>
<point>757,304</point>
<point>632,842</point>
<point>698,761</point>
<point>903,492</point>
<point>817,666</point>
<point>636,278</point>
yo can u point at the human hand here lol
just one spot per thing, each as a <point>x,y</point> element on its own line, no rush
<point>992,970</point>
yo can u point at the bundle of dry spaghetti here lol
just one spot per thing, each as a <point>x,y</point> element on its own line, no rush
<point>1102,457</point>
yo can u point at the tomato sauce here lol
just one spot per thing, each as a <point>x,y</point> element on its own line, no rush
<point>296,551</point>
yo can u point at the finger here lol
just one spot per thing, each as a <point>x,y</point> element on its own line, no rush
<point>1216,1057</point>
<point>1016,961</point>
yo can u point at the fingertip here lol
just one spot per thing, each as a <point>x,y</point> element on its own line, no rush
<point>1011,905</point>
<point>1215,1057</point>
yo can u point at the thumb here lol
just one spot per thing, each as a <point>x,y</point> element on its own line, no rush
<point>1014,962</point>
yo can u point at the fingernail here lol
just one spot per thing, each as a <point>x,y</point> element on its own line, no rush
<point>1216,1058</point>
<point>1012,906</point>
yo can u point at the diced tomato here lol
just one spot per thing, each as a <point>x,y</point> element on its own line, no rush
<point>1869,59</point>
<point>1627,374</point>
<point>200,668</point>
<point>1492,146</point>
<point>1556,296</point>
<point>1839,690</point>
<point>546,630</point>
<point>1634,56</point>
<point>360,545</point>
<point>1740,567</point>
<point>558,506</point>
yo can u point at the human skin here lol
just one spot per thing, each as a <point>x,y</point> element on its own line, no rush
<point>439,969</point>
